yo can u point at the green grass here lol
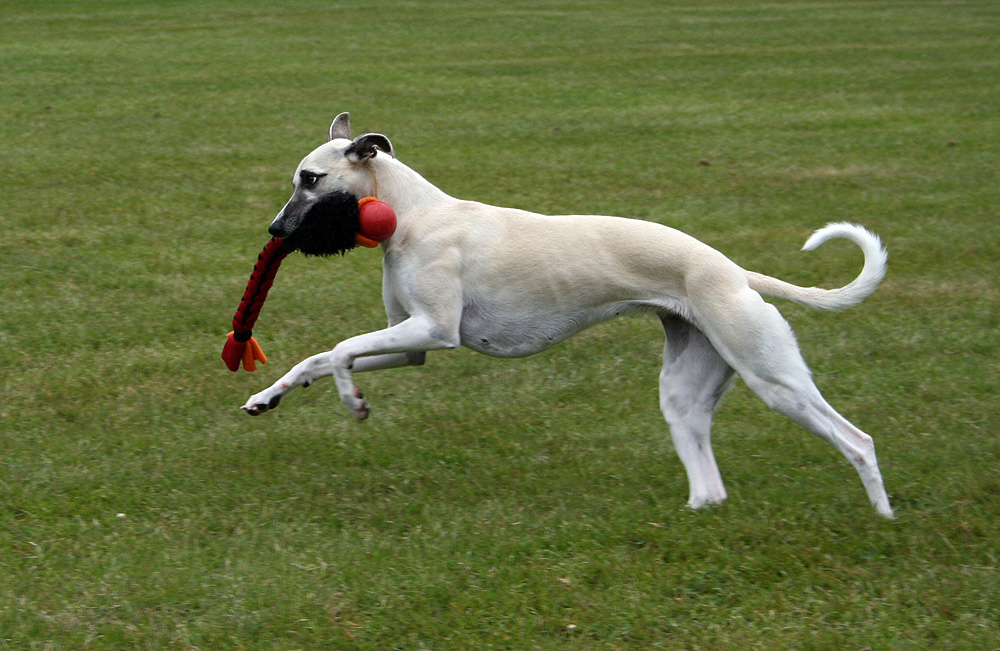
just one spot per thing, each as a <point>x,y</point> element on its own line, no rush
<point>490,504</point>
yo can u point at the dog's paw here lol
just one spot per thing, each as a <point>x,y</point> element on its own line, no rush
<point>357,404</point>
<point>362,412</point>
<point>256,406</point>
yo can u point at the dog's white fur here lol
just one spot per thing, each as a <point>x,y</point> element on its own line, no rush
<point>511,283</point>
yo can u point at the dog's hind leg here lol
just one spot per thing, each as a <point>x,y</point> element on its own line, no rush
<point>802,402</point>
<point>757,341</point>
<point>693,380</point>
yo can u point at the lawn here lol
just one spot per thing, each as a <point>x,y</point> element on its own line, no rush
<point>490,504</point>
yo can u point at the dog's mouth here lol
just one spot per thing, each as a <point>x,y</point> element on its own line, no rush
<point>327,227</point>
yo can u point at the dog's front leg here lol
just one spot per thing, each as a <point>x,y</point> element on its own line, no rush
<point>302,374</point>
<point>392,360</point>
<point>414,335</point>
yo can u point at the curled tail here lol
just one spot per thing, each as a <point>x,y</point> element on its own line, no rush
<point>876,261</point>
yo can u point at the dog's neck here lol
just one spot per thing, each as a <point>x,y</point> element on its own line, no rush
<point>401,187</point>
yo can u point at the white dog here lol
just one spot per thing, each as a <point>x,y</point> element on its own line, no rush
<point>511,283</point>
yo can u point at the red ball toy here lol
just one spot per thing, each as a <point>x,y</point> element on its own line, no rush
<point>378,222</point>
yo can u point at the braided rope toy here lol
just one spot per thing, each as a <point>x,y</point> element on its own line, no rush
<point>377,224</point>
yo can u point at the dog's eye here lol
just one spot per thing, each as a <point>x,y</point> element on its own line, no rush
<point>309,179</point>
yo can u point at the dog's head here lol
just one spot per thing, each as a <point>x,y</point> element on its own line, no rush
<point>321,218</point>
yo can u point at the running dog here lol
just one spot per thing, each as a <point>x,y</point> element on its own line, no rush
<point>511,283</point>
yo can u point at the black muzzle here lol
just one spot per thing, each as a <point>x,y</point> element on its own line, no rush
<point>328,226</point>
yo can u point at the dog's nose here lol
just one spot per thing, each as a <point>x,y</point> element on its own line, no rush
<point>277,227</point>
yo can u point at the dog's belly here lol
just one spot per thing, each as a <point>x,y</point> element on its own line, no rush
<point>517,334</point>
<point>487,329</point>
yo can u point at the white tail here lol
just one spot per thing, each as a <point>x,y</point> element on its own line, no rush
<point>876,262</point>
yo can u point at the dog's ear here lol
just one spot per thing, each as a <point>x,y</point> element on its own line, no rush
<point>367,146</point>
<point>341,127</point>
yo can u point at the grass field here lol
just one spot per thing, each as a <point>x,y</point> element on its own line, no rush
<point>490,504</point>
